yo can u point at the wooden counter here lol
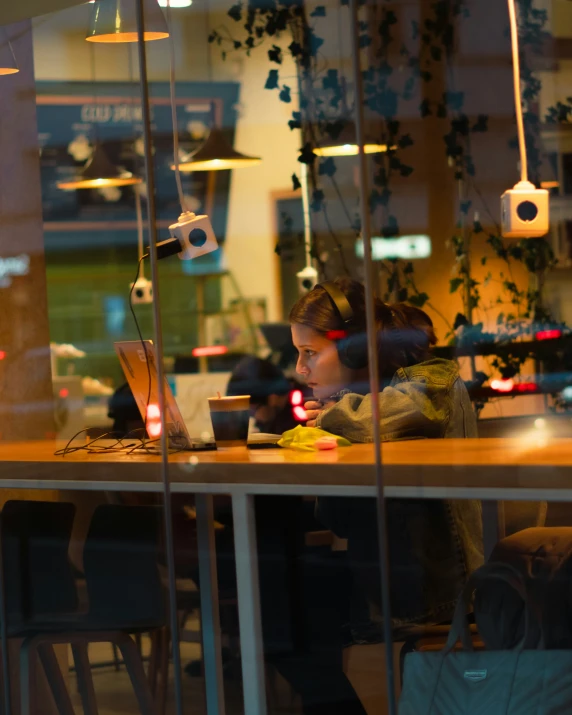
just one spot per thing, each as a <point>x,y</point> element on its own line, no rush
<point>469,468</point>
<point>487,469</point>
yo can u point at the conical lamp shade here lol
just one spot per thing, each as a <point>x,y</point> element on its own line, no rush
<point>8,64</point>
<point>216,154</point>
<point>100,172</point>
<point>346,145</point>
<point>116,21</point>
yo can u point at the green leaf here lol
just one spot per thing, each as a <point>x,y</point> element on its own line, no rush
<point>285,95</point>
<point>455,284</point>
<point>482,124</point>
<point>296,121</point>
<point>272,80</point>
<point>405,141</point>
<point>418,300</point>
<point>235,12</point>
<point>425,108</point>
<point>307,155</point>
<point>275,54</point>
<point>317,200</point>
<point>327,167</point>
<point>436,53</point>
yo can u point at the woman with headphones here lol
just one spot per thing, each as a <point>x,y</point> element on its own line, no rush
<point>434,545</point>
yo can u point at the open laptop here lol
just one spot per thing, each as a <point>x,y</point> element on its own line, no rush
<point>134,356</point>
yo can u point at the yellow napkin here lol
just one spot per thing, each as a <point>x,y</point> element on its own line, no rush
<point>304,438</point>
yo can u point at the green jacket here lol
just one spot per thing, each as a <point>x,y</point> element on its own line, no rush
<point>425,400</point>
<point>433,544</point>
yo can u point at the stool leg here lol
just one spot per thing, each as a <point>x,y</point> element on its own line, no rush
<point>55,679</point>
<point>84,679</point>
<point>136,672</point>
<point>28,673</point>
<point>164,665</point>
<point>116,659</point>
<point>153,669</point>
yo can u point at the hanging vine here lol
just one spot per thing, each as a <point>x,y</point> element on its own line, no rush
<point>326,107</point>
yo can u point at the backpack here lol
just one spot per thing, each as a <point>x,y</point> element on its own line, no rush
<point>501,682</point>
<point>543,558</point>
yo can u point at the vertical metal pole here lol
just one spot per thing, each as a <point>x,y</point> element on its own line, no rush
<point>210,609</point>
<point>306,212</point>
<point>249,617</point>
<point>372,356</point>
<point>4,634</point>
<point>158,338</point>
<point>201,321</point>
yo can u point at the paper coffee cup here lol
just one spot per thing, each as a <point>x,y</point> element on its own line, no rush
<point>230,418</point>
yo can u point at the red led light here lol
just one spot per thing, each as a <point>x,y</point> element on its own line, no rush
<point>153,412</point>
<point>64,392</point>
<point>2,354</point>
<point>336,334</point>
<point>154,429</point>
<point>503,385</point>
<point>153,420</point>
<point>548,334</point>
<point>296,397</point>
<point>510,386</point>
<point>210,350</point>
<point>300,413</point>
<point>526,387</point>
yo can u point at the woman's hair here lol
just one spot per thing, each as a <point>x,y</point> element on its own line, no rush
<point>405,333</point>
<point>258,378</point>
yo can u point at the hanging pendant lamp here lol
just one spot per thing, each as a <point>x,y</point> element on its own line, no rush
<point>216,154</point>
<point>98,173</point>
<point>8,64</point>
<point>346,145</point>
<point>114,21</point>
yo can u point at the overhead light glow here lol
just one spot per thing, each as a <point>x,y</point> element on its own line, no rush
<point>165,3</point>
<point>115,21</point>
<point>216,154</point>
<point>349,149</point>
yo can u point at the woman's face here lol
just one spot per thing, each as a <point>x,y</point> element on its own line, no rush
<point>318,362</point>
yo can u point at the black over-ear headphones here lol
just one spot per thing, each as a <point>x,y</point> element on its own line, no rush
<point>352,348</point>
